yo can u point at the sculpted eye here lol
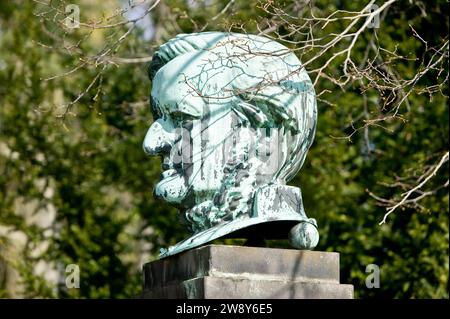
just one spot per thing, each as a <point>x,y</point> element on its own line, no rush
<point>181,117</point>
<point>182,120</point>
<point>177,116</point>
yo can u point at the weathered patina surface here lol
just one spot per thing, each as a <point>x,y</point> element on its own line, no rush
<point>234,116</point>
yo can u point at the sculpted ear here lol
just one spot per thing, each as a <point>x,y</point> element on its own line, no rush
<point>262,111</point>
<point>254,114</point>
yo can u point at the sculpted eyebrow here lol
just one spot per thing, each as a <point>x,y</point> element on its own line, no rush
<point>179,114</point>
<point>179,111</point>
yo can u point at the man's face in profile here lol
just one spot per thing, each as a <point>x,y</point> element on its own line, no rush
<point>188,134</point>
<point>195,134</point>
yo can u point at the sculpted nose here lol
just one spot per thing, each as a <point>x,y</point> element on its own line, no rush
<point>158,139</point>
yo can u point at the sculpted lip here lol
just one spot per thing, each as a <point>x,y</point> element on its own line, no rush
<point>169,172</point>
<point>169,168</point>
<point>166,166</point>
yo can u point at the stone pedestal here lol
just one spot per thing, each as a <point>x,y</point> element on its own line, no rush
<point>220,271</point>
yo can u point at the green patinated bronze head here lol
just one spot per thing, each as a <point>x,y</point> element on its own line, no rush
<point>234,116</point>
